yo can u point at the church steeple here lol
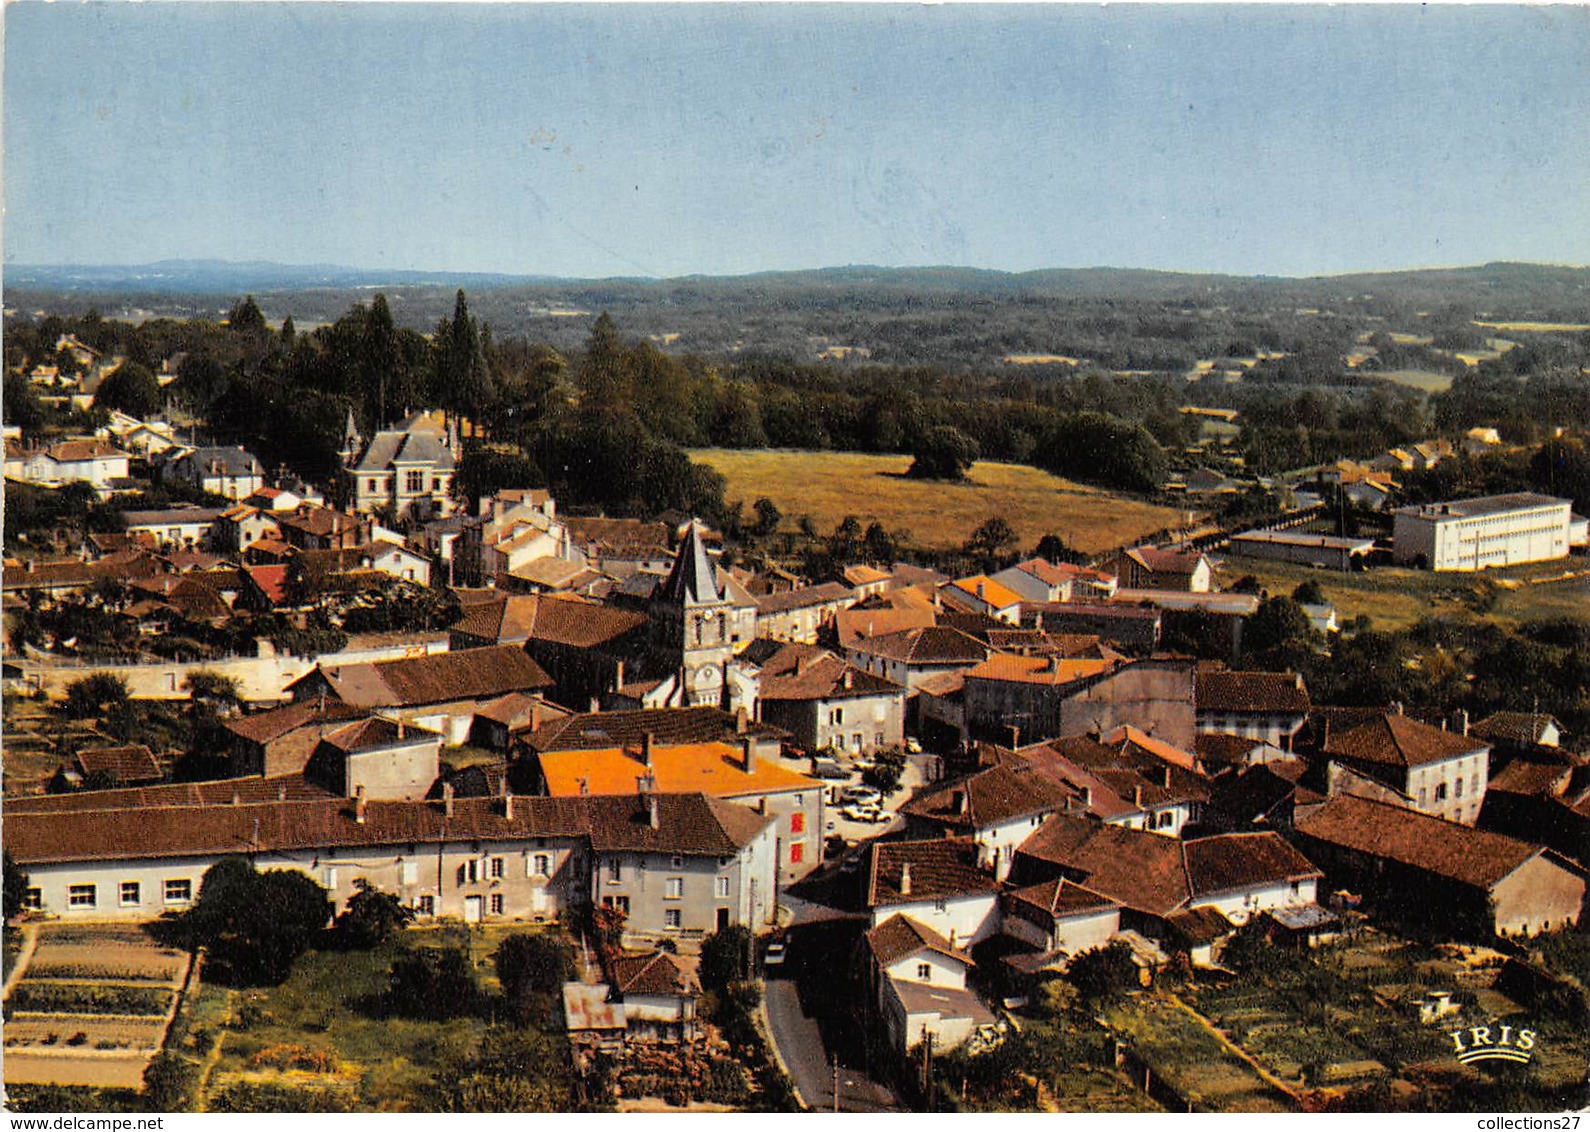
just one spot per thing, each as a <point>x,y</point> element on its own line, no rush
<point>352,442</point>
<point>692,581</point>
<point>690,620</point>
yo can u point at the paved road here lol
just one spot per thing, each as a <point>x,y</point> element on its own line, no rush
<point>800,1044</point>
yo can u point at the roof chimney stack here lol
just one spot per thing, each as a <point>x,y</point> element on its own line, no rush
<point>1460,721</point>
<point>281,793</point>
<point>1165,774</point>
<point>1137,797</point>
<point>905,879</point>
<point>1087,797</point>
<point>447,799</point>
<point>237,799</point>
<point>646,741</point>
<point>960,801</point>
<point>585,786</point>
<point>507,802</point>
<point>850,679</point>
<point>748,753</point>
<point>358,804</point>
<point>742,721</point>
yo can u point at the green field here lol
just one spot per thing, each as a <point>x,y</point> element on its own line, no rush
<point>1396,598</point>
<point>831,485</point>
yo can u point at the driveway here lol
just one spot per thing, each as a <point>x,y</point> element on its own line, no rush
<point>800,1045</point>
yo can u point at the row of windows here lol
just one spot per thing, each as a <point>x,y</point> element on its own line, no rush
<point>672,917</point>
<point>129,894</point>
<point>413,484</point>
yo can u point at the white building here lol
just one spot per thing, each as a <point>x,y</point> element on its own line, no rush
<point>1477,534</point>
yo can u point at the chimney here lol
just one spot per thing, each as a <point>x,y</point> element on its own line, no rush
<point>596,705</point>
<point>281,793</point>
<point>748,753</point>
<point>1165,774</point>
<point>905,879</point>
<point>1087,797</point>
<point>1396,707</point>
<point>447,799</point>
<point>646,741</point>
<point>237,799</point>
<point>1038,620</point>
<point>507,802</point>
<point>850,679</point>
<point>960,802</point>
<point>742,721</point>
<point>1137,797</point>
<point>400,728</point>
<point>585,786</point>
<point>618,676</point>
<point>358,804</point>
<point>1460,721</point>
<point>979,591</point>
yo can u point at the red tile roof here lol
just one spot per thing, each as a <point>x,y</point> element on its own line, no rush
<point>925,646</point>
<point>135,763</point>
<point>1397,741</point>
<point>939,868</point>
<point>800,672</point>
<point>990,797</point>
<point>655,974</point>
<point>900,936</point>
<point>472,674</point>
<point>1279,693</point>
<point>1474,857</point>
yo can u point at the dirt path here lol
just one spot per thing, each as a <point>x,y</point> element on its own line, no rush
<point>1237,1051</point>
<point>201,1096</point>
<point>30,943</point>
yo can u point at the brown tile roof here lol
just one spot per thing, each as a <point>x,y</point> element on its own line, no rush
<point>1198,926</point>
<point>267,726</point>
<point>75,450</point>
<point>472,674</point>
<point>1060,897</point>
<point>999,794</point>
<point>559,619</point>
<point>900,936</point>
<point>656,973</point>
<point>1276,692</point>
<point>1144,871</point>
<point>825,593</point>
<point>1397,741</point>
<point>1166,561</point>
<point>687,824</point>
<point>1234,861</point>
<point>1533,779</point>
<point>939,868</point>
<point>857,624</point>
<point>618,534</point>
<point>135,763</point>
<point>1521,727</point>
<point>172,794</point>
<point>598,730</point>
<point>800,673</point>
<point>1473,857</point>
<point>366,734</point>
<point>930,645</point>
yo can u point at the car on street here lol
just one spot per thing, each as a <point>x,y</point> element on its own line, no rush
<point>868,814</point>
<point>860,796</point>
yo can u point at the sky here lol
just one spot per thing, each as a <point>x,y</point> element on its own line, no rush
<point>658,140</point>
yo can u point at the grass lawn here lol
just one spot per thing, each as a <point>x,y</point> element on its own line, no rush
<point>831,485</point>
<point>1395,598</point>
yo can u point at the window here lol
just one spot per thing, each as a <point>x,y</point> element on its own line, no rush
<point>939,905</point>
<point>81,896</point>
<point>924,971</point>
<point>1457,789</point>
<point>855,741</point>
<point>437,485</point>
<point>1440,792</point>
<point>619,904</point>
<point>427,905</point>
<point>877,740</point>
<point>543,865</point>
<point>374,486</point>
<point>615,871</point>
<point>414,482</point>
<point>496,903</point>
<point>409,871</point>
<point>33,898</point>
<point>469,872</point>
<point>1476,784</point>
<point>797,822</point>
<point>674,888</point>
<point>330,880</point>
<point>673,918</point>
<point>496,868</point>
<point>836,716</point>
<point>722,888</point>
<point>179,891</point>
<point>676,861</point>
<point>130,893</point>
<point>797,852</point>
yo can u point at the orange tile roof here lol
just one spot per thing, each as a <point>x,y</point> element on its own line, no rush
<point>1037,669</point>
<point>715,769</point>
<point>988,591</point>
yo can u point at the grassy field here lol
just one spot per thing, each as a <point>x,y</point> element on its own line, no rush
<point>1426,381</point>
<point>1395,598</point>
<point>1191,1059</point>
<point>830,485</point>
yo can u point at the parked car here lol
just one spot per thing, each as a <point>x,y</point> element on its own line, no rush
<point>913,747</point>
<point>861,796</point>
<point>865,813</point>
<point>829,769</point>
<point>774,955</point>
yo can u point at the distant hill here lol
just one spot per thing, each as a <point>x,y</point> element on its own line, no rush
<point>208,276</point>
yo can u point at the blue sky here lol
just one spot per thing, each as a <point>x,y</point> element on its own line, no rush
<point>722,139</point>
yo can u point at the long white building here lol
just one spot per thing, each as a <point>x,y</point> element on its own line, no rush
<point>1478,534</point>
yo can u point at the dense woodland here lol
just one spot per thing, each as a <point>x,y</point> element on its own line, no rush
<point>601,406</point>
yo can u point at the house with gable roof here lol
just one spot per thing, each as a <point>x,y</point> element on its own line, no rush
<point>1267,706</point>
<point>1429,769</point>
<point>405,471</point>
<point>997,808</point>
<point>824,702</point>
<point>1153,568</point>
<point>918,980</point>
<point>938,883</point>
<point>232,472</point>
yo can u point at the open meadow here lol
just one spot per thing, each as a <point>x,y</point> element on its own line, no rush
<point>831,485</point>
<point>1395,598</point>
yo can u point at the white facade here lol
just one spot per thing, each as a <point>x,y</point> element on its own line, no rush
<point>1241,905</point>
<point>963,920</point>
<point>1478,534</point>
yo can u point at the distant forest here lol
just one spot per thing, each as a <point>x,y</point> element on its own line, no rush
<point>596,388</point>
